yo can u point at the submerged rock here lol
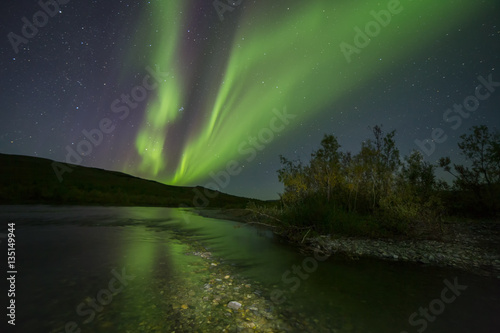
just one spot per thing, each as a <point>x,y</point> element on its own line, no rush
<point>234,305</point>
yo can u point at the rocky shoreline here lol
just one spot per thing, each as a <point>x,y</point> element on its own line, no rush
<point>228,302</point>
<point>473,246</point>
<point>466,251</point>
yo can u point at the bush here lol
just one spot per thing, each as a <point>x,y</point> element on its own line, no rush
<point>406,214</point>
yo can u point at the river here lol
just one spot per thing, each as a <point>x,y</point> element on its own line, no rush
<point>142,269</point>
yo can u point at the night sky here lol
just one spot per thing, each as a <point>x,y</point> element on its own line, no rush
<point>177,91</point>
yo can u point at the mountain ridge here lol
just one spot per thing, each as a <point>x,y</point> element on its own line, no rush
<point>32,180</point>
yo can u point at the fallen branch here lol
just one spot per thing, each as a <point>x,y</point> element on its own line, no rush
<point>267,225</point>
<point>305,235</point>
<point>257,212</point>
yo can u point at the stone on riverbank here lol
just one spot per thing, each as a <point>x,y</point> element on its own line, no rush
<point>234,305</point>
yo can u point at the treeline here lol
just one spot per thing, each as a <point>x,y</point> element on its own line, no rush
<point>377,192</point>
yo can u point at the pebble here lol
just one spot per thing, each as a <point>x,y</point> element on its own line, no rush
<point>234,305</point>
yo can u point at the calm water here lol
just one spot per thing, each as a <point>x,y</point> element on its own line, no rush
<point>139,262</point>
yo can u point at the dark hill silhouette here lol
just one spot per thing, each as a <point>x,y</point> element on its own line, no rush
<point>32,180</point>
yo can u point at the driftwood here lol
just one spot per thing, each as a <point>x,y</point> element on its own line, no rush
<point>282,227</point>
<point>266,215</point>
<point>302,241</point>
<point>265,224</point>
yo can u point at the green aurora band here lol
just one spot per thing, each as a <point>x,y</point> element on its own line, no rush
<point>277,61</point>
<point>163,110</point>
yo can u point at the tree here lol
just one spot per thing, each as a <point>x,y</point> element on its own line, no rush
<point>336,188</point>
<point>293,177</point>
<point>352,175</point>
<point>378,161</point>
<point>481,175</point>
<point>418,175</point>
<point>325,165</point>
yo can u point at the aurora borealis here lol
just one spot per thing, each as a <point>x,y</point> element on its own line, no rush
<point>270,78</point>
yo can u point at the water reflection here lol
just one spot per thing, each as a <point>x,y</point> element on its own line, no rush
<point>68,255</point>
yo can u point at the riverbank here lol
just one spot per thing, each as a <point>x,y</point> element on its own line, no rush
<point>473,246</point>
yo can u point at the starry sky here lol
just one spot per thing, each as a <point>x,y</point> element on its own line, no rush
<point>210,93</point>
